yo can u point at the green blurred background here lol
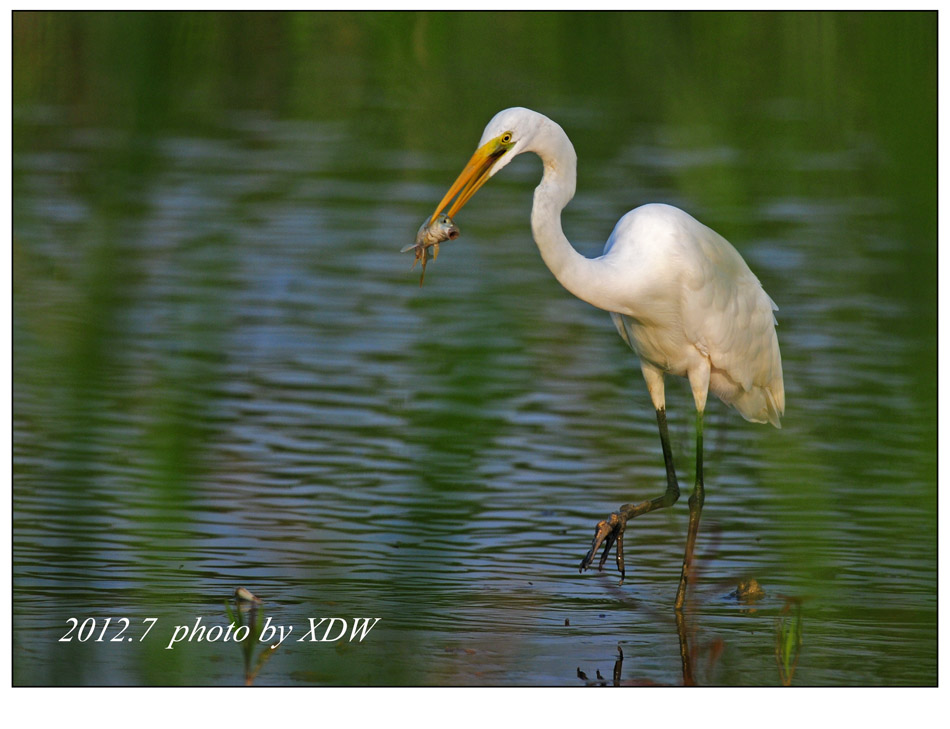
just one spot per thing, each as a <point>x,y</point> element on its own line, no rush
<point>224,374</point>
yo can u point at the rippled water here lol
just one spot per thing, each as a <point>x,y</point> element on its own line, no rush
<point>226,375</point>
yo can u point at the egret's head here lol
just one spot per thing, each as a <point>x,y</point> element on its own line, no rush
<point>507,135</point>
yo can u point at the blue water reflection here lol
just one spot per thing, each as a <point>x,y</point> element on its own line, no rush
<point>225,375</point>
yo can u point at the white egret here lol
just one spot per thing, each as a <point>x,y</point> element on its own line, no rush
<point>679,294</point>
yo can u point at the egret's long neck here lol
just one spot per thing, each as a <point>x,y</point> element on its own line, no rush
<point>577,273</point>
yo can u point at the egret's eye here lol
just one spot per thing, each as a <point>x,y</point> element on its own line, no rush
<point>506,138</point>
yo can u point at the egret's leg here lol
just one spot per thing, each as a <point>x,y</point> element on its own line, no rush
<point>696,500</point>
<point>610,530</point>
<point>686,655</point>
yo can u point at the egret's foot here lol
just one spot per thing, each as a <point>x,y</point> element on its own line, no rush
<point>608,532</point>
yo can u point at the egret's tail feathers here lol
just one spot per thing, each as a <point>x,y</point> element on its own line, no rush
<point>776,407</point>
<point>760,405</point>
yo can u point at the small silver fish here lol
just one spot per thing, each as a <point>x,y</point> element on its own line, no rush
<point>430,235</point>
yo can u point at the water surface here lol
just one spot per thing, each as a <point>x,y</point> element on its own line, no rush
<point>226,375</point>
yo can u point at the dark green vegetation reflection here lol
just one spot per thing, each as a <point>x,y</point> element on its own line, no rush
<point>226,376</point>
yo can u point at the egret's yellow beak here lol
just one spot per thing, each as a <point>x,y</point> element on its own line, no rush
<point>475,174</point>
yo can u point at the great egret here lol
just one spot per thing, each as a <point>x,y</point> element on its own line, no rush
<point>679,294</point>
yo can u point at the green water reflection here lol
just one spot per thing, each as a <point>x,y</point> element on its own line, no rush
<point>225,375</point>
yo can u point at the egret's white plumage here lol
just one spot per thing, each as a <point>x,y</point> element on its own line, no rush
<point>679,294</point>
<point>706,309</point>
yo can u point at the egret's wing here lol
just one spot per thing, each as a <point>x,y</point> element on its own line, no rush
<point>729,317</point>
